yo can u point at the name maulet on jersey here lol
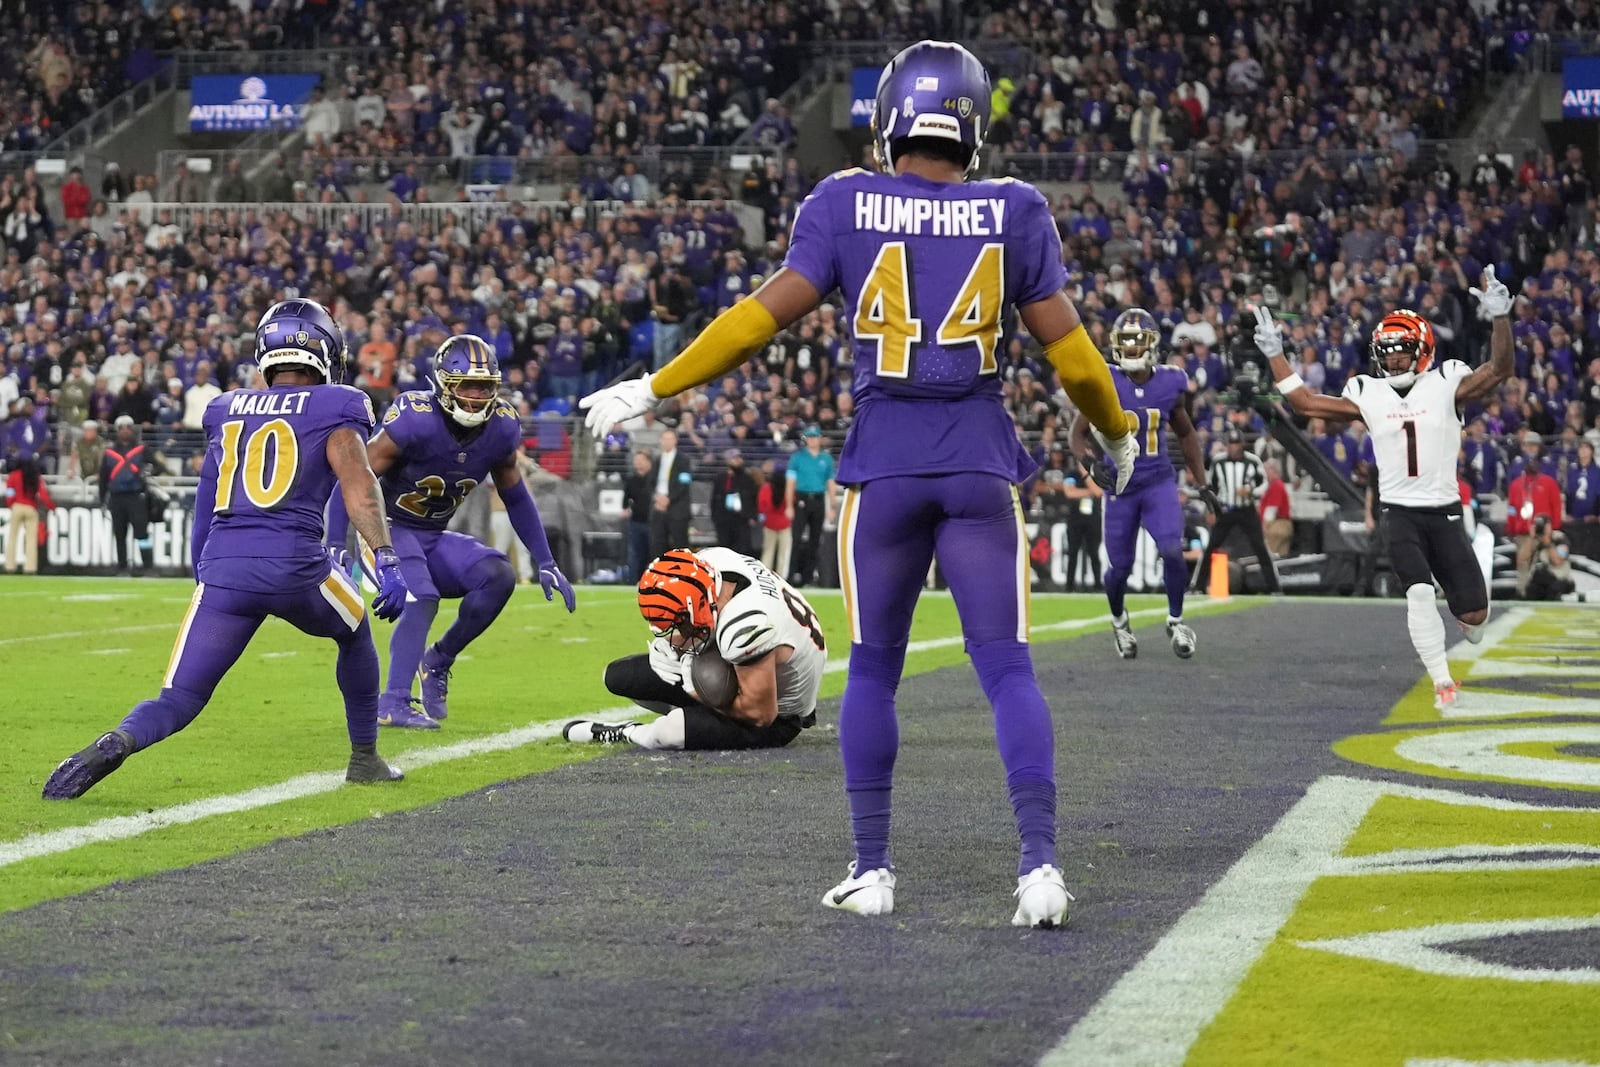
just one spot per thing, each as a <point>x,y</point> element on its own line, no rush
<point>1416,435</point>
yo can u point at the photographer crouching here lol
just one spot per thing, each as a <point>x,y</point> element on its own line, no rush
<point>1544,565</point>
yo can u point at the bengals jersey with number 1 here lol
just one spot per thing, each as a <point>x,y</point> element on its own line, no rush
<point>268,450</point>
<point>764,614</point>
<point>1416,434</point>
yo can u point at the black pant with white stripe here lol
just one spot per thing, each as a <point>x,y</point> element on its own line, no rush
<point>1248,522</point>
<point>703,728</point>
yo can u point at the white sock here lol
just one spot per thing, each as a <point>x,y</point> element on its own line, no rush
<point>1174,620</point>
<point>1427,632</point>
<point>665,733</point>
<point>1120,620</point>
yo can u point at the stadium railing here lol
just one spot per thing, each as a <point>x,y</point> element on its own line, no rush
<point>489,172</point>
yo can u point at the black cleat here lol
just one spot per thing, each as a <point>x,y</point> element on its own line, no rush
<point>368,768</point>
<point>78,773</point>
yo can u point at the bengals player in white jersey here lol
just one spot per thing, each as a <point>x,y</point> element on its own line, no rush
<point>1412,408</point>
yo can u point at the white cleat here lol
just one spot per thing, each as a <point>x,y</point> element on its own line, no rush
<point>1447,697</point>
<point>1127,644</point>
<point>1473,634</point>
<point>1182,638</point>
<point>1042,899</point>
<point>870,894</point>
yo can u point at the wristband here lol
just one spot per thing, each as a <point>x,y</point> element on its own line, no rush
<point>1291,383</point>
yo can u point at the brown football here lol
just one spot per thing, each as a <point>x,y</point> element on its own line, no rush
<point>714,679</point>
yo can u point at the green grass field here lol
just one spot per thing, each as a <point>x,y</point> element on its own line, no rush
<point>80,652</point>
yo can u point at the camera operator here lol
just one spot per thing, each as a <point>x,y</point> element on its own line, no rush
<point>1544,567</point>
<point>1533,503</point>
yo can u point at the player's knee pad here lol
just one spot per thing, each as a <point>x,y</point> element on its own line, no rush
<point>1170,551</point>
<point>877,664</point>
<point>999,662</point>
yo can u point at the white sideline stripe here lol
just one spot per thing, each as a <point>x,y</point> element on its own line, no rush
<point>1154,1013</point>
<point>120,827</point>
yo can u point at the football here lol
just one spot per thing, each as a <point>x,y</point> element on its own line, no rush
<point>714,679</point>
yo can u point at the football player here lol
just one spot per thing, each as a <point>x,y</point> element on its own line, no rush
<point>1158,396</point>
<point>1412,408</point>
<point>272,456</point>
<point>717,601</point>
<point>432,450</point>
<point>934,269</point>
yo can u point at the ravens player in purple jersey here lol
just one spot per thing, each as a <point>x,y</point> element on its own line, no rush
<point>272,456</point>
<point>934,269</point>
<point>432,450</point>
<point>1158,396</point>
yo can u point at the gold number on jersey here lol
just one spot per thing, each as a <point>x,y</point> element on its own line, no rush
<point>974,317</point>
<point>1152,439</point>
<point>261,489</point>
<point>431,499</point>
<point>883,313</point>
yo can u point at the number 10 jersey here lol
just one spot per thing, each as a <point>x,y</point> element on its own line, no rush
<point>1416,435</point>
<point>931,273</point>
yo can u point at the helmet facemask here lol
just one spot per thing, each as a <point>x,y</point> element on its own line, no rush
<point>468,398</point>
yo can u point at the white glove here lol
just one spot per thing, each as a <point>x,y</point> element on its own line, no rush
<point>1268,335</point>
<point>613,404</point>
<point>667,663</point>
<point>1121,452</point>
<point>1494,299</point>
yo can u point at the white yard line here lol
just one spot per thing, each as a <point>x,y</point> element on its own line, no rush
<point>124,826</point>
<point>64,635</point>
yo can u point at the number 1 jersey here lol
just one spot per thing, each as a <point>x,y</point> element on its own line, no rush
<point>1416,435</point>
<point>932,273</point>
<point>268,450</point>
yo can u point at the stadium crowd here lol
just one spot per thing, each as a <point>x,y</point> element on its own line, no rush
<point>110,307</point>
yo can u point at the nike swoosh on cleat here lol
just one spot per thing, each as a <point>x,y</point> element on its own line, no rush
<point>840,898</point>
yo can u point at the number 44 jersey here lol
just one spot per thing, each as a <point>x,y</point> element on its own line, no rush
<point>764,614</point>
<point>1416,435</point>
<point>932,273</point>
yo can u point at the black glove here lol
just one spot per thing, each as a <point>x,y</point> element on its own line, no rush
<point>1102,474</point>
<point>1211,500</point>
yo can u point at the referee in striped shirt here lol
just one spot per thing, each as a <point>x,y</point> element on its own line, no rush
<point>1239,479</point>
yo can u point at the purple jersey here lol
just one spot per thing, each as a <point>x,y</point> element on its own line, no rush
<point>268,450</point>
<point>1153,401</point>
<point>439,469</point>
<point>930,273</point>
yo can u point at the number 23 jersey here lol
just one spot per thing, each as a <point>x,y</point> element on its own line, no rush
<point>1416,435</point>
<point>438,470</point>
<point>765,614</point>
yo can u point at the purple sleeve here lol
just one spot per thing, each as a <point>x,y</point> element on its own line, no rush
<point>811,242</point>
<point>397,422</point>
<point>1040,274</point>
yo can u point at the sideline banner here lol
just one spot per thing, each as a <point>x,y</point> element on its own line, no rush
<point>78,541</point>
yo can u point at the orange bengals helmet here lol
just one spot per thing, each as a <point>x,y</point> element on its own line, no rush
<point>1407,333</point>
<point>678,592</point>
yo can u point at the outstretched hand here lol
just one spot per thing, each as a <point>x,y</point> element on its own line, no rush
<point>1268,335</point>
<point>1494,299</point>
<point>551,580</point>
<point>616,403</point>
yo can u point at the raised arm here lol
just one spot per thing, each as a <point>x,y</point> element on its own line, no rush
<point>1494,304</point>
<point>1301,399</point>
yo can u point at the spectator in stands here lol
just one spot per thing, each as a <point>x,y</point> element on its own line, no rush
<point>133,402</point>
<point>199,396</point>
<point>671,298</point>
<point>27,433</point>
<point>28,498</point>
<point>75,197</point>
<point>83,461</point>
<point>377,359</point>
<point>809,503</point>
<point>669,518</point>
<point>735,512</point>
<point>232,186</point>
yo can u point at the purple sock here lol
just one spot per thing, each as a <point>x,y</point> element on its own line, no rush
<point>156,720</point>
<point>869,739</point>
<point>1175,573</point>
<point>1026,741</point>
<point>357,674</point>
<point>410,637</point>
<point>490,584</point>
<point>1116,582</point>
